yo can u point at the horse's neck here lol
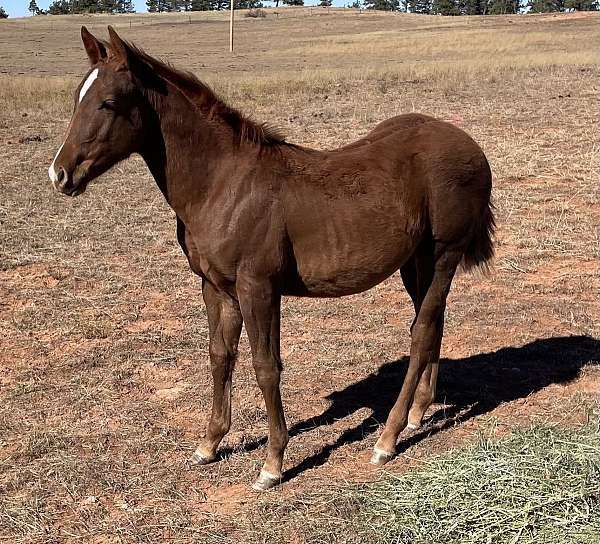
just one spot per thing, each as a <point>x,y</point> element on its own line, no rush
<point>183,150</point>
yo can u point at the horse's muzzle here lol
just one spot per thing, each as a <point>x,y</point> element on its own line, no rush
<point>65,183</point>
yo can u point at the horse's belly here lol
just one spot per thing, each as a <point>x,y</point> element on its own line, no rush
<point>345,244</point>
<point>328,269</point>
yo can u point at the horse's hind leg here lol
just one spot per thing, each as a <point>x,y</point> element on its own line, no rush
<point>225,326</point>
<point>424,348</point>
<point>417,274</point>
<point>425,393</point>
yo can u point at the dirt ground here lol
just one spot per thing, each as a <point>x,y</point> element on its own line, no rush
<point>105,382</point>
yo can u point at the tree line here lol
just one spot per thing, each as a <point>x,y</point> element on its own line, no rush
<point>436,7</point>
<point>157,6</point>
<point>478,7</point>
<point>66,7</point>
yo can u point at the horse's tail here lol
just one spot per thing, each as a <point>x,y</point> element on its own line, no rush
<point>481,247</point>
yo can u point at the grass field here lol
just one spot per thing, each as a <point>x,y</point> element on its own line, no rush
<point>104,382</point>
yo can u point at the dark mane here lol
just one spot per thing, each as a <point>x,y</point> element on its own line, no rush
<point>198,92</point>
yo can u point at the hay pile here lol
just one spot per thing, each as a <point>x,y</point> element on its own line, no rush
<point>538,486</point>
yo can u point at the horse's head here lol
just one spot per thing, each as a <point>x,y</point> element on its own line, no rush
<point>107,122</point>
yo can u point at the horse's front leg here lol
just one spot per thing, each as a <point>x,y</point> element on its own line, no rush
<point>225,325</point>
<point>260,304</point>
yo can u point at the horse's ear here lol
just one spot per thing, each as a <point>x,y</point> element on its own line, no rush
<point>120,49</point>
<point>95,49</point>
<point>129,59</point>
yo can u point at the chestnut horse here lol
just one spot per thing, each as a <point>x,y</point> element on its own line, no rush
<point>259,218</point>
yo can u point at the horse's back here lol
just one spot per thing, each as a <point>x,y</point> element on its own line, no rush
<point>386,128</point>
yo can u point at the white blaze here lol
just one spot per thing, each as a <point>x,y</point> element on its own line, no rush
<point>88,83</point>
<point>84,89</point>
<point>51,170</point>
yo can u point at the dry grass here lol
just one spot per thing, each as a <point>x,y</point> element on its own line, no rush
<point>105,385</point>
<point>538,486</point>
<point>445,52</point>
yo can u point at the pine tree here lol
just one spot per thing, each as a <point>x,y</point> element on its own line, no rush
<point>85,6</point>
<point>545,6</point>
<point>325,3</point>
<point>382,5</point>
<point>202,5</point>
<point>502,7</point>
<point>249,4</point>
<point>445,7</point>
<point>581,5</point>
<point>33,7</point>
<point>419,6</point>
<point>3,14</point>
<point>125,6</point>
<point>294,2</point>
<point>59,7</point>
<point>108,6</point>
<point>474,7</point>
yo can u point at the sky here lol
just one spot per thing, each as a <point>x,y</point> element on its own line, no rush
<point>18,8</point>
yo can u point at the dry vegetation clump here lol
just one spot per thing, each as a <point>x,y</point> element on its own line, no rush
<point>540,485</point>
<point>256,13</point>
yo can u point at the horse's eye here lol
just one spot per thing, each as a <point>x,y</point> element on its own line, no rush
<point>107,105</point>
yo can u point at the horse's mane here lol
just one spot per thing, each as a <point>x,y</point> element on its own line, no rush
<point>199,93</point>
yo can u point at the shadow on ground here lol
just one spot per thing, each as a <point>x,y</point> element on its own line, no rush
<point>472,386</point>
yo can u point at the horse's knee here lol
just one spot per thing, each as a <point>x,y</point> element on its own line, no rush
<point>267,374</point>
<point>221,361</point>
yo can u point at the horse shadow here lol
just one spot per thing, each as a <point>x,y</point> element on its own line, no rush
<point>471,386</point>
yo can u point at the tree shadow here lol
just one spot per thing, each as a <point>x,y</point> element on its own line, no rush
<point>472,386</point>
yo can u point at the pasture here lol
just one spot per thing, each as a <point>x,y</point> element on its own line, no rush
<point>105,382</point>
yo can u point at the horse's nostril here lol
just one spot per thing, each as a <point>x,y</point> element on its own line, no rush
<point>60,175</point>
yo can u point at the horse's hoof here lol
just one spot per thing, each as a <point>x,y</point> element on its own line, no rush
<point>199,459</point>
<point>413,426</point>
<point>266,481</point>
<point>381,457</point>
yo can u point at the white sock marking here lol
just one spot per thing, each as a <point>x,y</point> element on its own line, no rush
<point>266,474</point>
<point>88,83</point>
